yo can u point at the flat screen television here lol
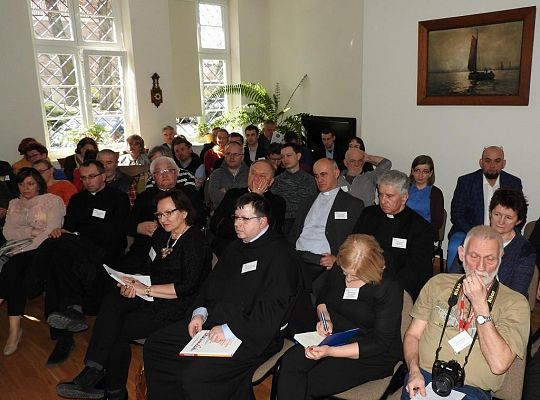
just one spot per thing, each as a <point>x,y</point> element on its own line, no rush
<point>343,127</point>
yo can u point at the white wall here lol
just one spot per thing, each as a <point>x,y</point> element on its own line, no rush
<point>20,108</point>
<point>324,40</point>
<point>394,126</point>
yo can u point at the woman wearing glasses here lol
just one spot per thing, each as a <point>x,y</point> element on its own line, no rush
<point>62,188</point>
<point>424,197</point>
<point>33,215</point>
<point>178,262</point>
<point>355,295</point>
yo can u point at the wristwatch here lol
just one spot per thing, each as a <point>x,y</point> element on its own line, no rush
<point>481,319</point>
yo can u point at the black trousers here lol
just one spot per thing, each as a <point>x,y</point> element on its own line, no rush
<point>169,376</point>
<point>12,282</point>
<point>302,378</point>
<point>119,321</point>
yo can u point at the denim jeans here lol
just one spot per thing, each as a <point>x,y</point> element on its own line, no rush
<point>471,392</point>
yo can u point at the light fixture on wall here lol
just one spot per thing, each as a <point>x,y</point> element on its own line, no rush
<point>156,96</point>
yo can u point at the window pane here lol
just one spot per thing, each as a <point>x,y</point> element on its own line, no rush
<point>106,86</point>
<point>213,75</point>
<point>97,23</point>
<point>210,15</point>
<point>50,19</point>
<point>212,38</point>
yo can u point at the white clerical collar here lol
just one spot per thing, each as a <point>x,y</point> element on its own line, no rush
<point>259,235</point>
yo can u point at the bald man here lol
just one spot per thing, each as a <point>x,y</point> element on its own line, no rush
<point>470,204</point>
<point>358,183</point>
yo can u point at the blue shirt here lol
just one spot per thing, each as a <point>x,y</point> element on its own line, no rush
<point>420,201</point>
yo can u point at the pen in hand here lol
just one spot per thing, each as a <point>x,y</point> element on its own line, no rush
<point>324,324</point>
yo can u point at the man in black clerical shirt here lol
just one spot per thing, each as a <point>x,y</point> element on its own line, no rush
<point>248,296</point>
<point>93,233</point>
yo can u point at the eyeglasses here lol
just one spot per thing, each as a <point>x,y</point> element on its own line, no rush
<point>421,171</point>
<point>243,219</point>
<point>164,171</point>
<point>167,214</point>
<point>43,170</point>
<point>91,176</point>
<point>233,154</point>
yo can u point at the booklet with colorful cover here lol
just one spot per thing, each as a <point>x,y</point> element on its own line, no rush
<point>201,346</point>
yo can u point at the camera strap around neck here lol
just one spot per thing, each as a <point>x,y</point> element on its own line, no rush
<point>452,301</point>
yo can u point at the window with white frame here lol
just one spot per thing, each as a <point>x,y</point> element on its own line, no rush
<point>212,36</point>
<point>81,64</point>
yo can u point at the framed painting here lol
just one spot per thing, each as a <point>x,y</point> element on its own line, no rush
<point>481,59</point>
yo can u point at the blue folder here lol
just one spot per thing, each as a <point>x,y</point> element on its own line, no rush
<point>340,338</point>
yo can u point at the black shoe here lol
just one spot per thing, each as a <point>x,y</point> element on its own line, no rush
<point>83,386</point>
<point>61,352</point>
<point>70,319</point>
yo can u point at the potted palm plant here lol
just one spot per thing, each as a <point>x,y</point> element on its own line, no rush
<point>262,106</point>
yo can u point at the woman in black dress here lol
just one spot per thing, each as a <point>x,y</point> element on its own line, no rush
<point>178,262</point>
<point>355,296</point>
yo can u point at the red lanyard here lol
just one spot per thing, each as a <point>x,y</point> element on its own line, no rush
<point>464,326</point>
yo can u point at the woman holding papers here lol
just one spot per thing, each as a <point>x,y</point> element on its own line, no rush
<point>354,296</point>
<point>33,215</point>
<point>177,264</point>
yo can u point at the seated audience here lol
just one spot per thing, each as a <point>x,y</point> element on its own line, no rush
<point>74,161</point>
<point>306,161</point>
<point>406,237</point>
<point>323,222</point>
<point>274,156</point>
<point>294,184</point>
<point>233,173</point>
<point>248,295</point>
<point>33,215</point>
<point>177,263</point>
<point>35,152</point>
<point>424,197</point>
<point>495,317</point>
<point>114,177</point>
<point>23,162</point>
<point>358,183</point>
<point>358,143</point>
<point>470,204</point>
<point>260,179</point>
<point>330,149</point>
<point>142,223</point>
<point>71,261</point>
<point>253,151</point>
<point>216,152</point>
<point>507,209</point>
<point>62,188</point>
<point>159,151</point>
<point>187,160</point>
<point>233,137</point>
<point>137,152</point>
<point>168,133</point>
<point>372,303</point>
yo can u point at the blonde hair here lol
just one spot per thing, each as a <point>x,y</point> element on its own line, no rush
<point>363,255</point>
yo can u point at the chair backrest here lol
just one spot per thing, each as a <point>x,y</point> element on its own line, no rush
<point>529,229</point>
<point>406,313</point>
<point>532,288</point>
<point>443,226</point>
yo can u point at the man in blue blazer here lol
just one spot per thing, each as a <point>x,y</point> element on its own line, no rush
<point>470,203</point>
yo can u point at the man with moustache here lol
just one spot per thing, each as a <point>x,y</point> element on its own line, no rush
<point>470,204</point>
<point>492,318</point>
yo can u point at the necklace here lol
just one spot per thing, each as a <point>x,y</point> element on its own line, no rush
<point>169,248</point>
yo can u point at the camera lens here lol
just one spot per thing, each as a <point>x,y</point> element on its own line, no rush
<point>443,384</point>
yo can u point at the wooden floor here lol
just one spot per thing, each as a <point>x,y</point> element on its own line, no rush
<point>23,375</point>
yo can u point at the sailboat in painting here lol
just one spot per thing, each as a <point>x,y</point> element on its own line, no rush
<point>474,74</point>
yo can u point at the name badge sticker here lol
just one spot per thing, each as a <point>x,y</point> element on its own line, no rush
<point>399,243</point>
<point>351,293</point>
<point>6,178</point>
<point>345,188</point>
<point>152,253</point>
<point>98,213</point>
<point>340,215</point>
<point>460,341</point>
<point>250,266</point>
